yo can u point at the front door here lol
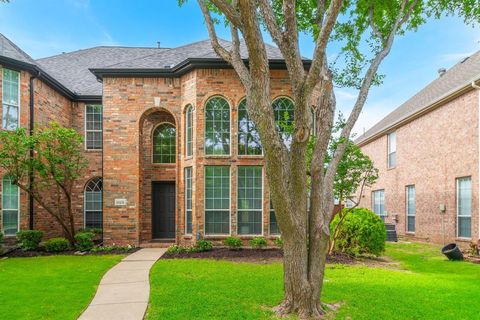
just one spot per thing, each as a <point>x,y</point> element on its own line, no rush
<point>163,210</point>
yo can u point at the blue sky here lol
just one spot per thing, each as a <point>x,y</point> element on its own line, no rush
<point>48,27</point>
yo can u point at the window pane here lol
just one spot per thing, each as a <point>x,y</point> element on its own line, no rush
<point>464,206</point>
<point>378,204</point>
<point>188,200</point>
<point>283,111</point>
<point>217,127</point>
<point>189,131</point>
<point>217,199</point>
<point>410,208</point>
<point>392,149</point>
<point>250,195</point>
<point>10,207</point>
<point>93,127</point>
<point>93,203</point>
<point>164,146</point>
<point>248,138</point>
<point>411,223</point>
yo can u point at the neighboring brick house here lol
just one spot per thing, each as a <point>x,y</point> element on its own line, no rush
<point>427,153</point>
<point>172,153</point>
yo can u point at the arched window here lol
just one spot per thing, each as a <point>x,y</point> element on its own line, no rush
<point>217,127</point>
<point>248,138</point>
<point>283,111</point>
<point>189,131</point>
<point>93,204</point>
<point>164,143</point>
<point>10,201</point>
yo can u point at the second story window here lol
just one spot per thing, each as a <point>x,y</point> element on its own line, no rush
<point>93,127</point>
<point>283,111</point>
<point>189,131</point>
<point>392,150</point>
<point>248,138</point>
<point>164,148</point>
<point>10,99</point>
<point>217,127</point>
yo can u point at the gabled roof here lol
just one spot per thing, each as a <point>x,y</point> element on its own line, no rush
<point>456,79</point>
<point>75,73</point>
<point>72,69</point>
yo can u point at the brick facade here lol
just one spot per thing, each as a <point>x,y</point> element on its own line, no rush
<point>432,151</point>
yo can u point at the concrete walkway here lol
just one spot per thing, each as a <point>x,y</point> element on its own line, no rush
<point>124,290</point>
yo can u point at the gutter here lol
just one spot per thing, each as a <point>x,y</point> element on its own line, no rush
<point>31,129</point>
<point>477,87</point>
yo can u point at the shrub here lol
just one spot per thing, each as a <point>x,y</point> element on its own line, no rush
<point>113,247</point>
<point>57,245</point>
<point>233,243</point>
<point>29,240</point>
<point>362,232</point>
<point>175,249</point>
<point>258,243</point>
<point>204,245</point>
<point>278,242</point>
<point>84,241</point>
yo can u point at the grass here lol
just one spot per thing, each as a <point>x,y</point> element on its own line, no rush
<point>55,287</point>
<point>426,287</point>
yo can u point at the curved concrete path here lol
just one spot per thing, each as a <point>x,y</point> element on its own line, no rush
<point>124,290</point>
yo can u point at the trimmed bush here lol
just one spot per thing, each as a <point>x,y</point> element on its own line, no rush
<point>233,243</point>
<point>57,245</point>
<point>175,248</point>
<point>204,245</point>
<point>29,240</point>
<point>362,232</point>
<point>84,241</point>
<point>258,243</point>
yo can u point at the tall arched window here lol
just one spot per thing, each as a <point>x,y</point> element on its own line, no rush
<point>93,204</point>
<point>283,110</point>
<point>217,127</point>
<point>164,149</point>
<point>189,131</point>
<point>248,138</point>
<point>10,204</point>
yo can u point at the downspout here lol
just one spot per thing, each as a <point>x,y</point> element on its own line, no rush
<point>31,129</point>
<point>477,87</point>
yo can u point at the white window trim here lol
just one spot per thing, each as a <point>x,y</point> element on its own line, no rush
<point>205,130</point>
<point>85,128</point>
<point>262,212</point>
<point>407,207</point>
<point>18,211</point>
<point>152,144</point>
<point>457,202</point>
<point>391,152</point>
<point>185,192</point>
<point>238,131</point>
<point>19,97</point>
<point>373,202</point>
<point>214,235</point>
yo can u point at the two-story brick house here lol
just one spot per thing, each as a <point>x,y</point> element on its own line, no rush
<point>427,153</point>
<point>172,152</point>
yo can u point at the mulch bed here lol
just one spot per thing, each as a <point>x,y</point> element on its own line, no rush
<point>250,255</point>
<point>17,253</point>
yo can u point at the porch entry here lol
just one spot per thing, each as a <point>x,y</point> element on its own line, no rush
<point>163,210</point>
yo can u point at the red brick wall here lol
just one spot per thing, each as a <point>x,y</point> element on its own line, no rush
<point>432,151</point>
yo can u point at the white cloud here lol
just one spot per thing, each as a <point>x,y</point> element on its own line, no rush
<point>454,56</point>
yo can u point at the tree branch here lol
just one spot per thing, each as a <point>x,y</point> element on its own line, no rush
<point>322,40</point>
<point>229,11</point>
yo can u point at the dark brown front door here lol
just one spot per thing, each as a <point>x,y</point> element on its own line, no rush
<point>163,210</point>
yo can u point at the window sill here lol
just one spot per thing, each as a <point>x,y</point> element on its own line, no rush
<point>463,239</point>
<point>212,156</point>
<point>93,150</point>
<point>261,157</point>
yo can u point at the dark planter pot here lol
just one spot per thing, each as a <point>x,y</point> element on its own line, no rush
<point>452,252</point>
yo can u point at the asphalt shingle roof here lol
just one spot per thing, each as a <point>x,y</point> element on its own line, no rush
<point>10,50</point>
<point>460,75</point>
<point>72,69</point>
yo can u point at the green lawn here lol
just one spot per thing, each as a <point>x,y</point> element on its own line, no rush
<point>427,287</point>
<point>56,287</point>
